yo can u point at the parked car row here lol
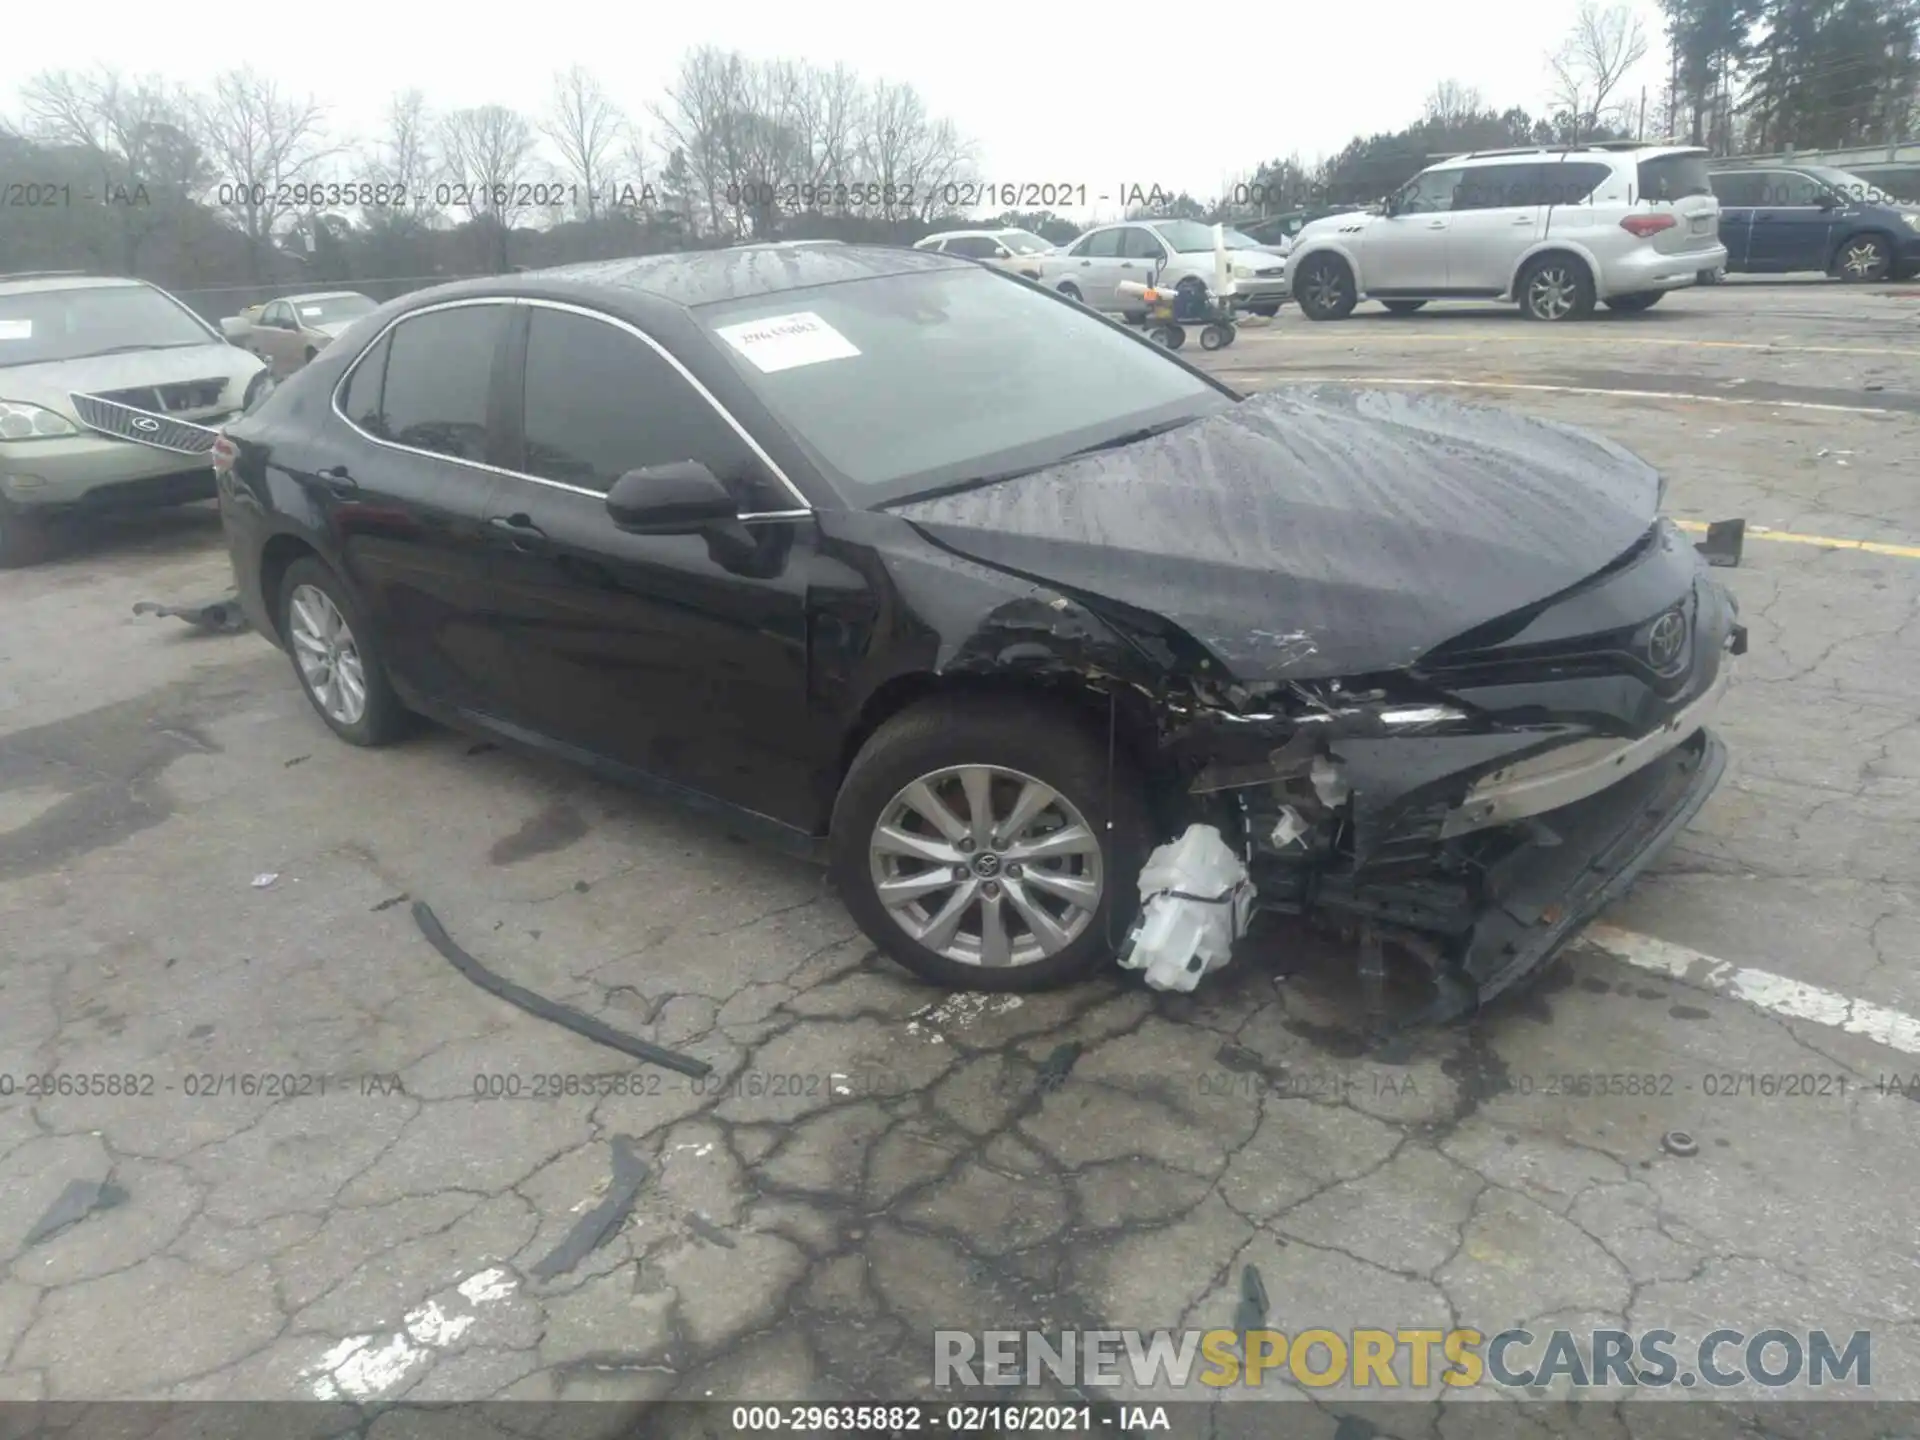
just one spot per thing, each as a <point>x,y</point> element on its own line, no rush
<point>288,332</point>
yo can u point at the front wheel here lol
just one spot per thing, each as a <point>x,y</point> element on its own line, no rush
<point>337,656</point>
<point>1866,257</point>
<point>1556,287</point>
<point>990,844</point>
<point>1168,337</point>
<point>1323,287</point>
<point>1072,292</point>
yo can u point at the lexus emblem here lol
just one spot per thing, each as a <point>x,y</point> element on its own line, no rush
<point>144,424</point>
<point>1666,639</point>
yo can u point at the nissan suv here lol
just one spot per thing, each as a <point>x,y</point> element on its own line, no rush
<point>1554,229</point>
<point>112,393</point>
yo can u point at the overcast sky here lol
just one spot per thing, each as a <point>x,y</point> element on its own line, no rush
<point>1102,98</point>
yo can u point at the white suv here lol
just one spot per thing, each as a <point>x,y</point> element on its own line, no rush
<point>1555,229</point>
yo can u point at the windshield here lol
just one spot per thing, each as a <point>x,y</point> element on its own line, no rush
<point>906,383</point>
<point>1021,242</point>
<point>1185,236</point>
<point>332,309</point>
<point>1674,177</point>
<point>41,325</point>
<point>1849,185</point>
<point>1239,240</point>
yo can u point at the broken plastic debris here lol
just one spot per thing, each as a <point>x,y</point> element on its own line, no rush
<point>1289,828</point>
<point>221,615</point>
<point>1329,782</point>
<point>261,882</point>
<point>1254,1307</point>
<point>79,1200</point>
<point>598,1225</point>
<point>1198,900</point>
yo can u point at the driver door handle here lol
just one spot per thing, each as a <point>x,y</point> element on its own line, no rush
<point>519,529</point>
<point>336,480</point>
<point>1436,225</point>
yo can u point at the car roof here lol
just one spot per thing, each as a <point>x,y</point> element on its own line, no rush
<point>704,277</point>
<point>32,281</point>
<point>319,295</point>
<point>1604,150</point>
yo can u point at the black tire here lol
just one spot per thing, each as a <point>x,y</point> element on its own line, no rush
<point>1634,303</point>
<point>1072,292</point>
<point>1323,288</point>
<point>1573,285</point>
<point>24,539</point>
<point>384,718</point>
<point>1266,309</point>
<point>1215,337</point>
<point>1044,741</point>
<point>1708,277</point>
<point>1864,259</point>
<point>1402,307</point>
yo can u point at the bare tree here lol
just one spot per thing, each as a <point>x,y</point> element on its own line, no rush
<point>261,141</point>
<point>489,152</point>
<point>137,135</point>
<point>402,163</point>
<point>1450,103</point>
<point>696,119</point>
<point>907,157</point>
<point>585,125</point>
<point>1603,46</point>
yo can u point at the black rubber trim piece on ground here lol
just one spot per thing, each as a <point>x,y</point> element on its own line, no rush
<point>566,1016</point>
<point>599,1224</point>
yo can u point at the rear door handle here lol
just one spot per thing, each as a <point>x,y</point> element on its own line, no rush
<point>1436,225</point>
<point>336,480</point>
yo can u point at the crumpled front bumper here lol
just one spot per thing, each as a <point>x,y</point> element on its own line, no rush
<point>1544,895</point>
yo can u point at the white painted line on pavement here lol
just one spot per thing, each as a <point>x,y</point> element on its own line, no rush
<point>1294,378</point>
<point>1775,993</point>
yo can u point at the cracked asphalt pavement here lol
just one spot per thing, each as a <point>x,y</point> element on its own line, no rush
<point>342,1163</point>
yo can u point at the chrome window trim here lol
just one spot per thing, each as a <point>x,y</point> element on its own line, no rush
<point>801,511</point>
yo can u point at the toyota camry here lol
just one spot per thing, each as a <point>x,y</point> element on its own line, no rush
<point>979,597</point>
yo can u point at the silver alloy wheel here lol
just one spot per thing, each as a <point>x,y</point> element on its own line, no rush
<point>1551,292</point>
<point>1862,260</point>
<point>1324,287</point>
<point>327,654</point>
<point>986,866</point>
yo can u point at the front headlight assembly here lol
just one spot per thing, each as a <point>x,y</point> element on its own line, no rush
<point>21,421</point>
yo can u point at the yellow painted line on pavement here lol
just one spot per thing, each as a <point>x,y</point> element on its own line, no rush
<point>1295,377</point>
<point>1823,542</point>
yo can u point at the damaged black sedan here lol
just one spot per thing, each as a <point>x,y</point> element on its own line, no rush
<point>1015,618</point>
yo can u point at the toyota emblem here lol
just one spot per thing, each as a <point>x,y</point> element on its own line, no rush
<point>144,424</point>
<point>1666,640</point>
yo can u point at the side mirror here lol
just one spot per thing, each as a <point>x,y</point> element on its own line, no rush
<point>683,498</point>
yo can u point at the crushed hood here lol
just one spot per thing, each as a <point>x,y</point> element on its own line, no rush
<point>1317,532</point>
<point>50,382</point>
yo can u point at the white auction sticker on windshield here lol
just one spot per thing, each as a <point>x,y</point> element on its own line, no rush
<point>16,329</point>
<point>309,309</point>
<point>781,342</point>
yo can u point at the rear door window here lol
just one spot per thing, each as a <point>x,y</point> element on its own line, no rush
<point>439,375</point>
<point>1790,190</point>
<point>1674,177</point>
<point>1569,182</point>
<point>1138,243</point>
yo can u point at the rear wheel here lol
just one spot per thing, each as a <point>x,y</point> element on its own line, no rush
<point>1402,307</point>
<point>23,538</point>
<point>1632,304</point>
<point>1266,309</point>
<point>1215,337</point>
<point>1170,337</point>
<point>1865,257</point>
<point>1556,287</point>
<point>1323,288</point>
<point>989,844</point>
<point>337,657</point>
<point>1072,292</point>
